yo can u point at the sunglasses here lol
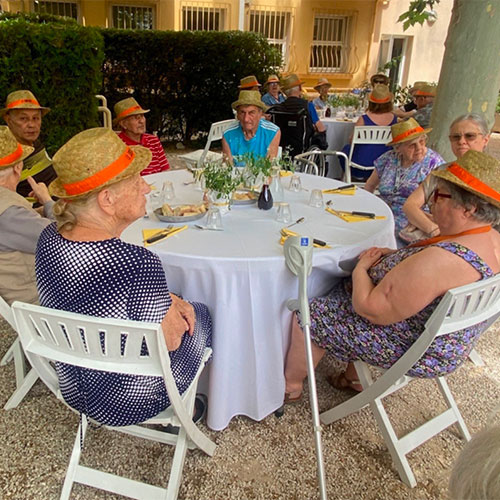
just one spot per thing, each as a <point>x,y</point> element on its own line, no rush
<point>437,194</point>
<point>469,136</point>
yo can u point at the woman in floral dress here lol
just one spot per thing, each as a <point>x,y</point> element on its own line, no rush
<point>377,314</point>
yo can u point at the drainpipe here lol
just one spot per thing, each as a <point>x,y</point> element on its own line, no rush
<point>241,16</point>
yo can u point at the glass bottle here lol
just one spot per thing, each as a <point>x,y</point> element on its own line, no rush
<point>276,187</point>
<point>265,198</point>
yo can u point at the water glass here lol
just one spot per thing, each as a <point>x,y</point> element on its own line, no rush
<point>284,214</point>
<point>214,220</point>
<point>167,191</point>
<point>295,184</point>
<point>154,200</point>
<point>316,199</point>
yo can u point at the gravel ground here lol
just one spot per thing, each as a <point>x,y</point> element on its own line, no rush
<point>271,459</point>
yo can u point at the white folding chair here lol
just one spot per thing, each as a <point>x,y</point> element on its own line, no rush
<point>460,307</point>
<point>103,108</point>
<point>365,135</point>
<point>50,335</point>
<point>24,379</point>
<point>217,129</point>
<point>313,161</point>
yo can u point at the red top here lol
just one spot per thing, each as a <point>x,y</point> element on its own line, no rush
<point>159,162</point>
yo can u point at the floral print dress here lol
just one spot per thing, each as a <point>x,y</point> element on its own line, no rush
<point>349,337</point>
<point>397,182</point>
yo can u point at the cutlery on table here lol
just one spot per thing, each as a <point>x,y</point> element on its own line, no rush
<point>298,221</point>
<point>320,243</point>
<point>188,183</point>
<point>208,228</point>
<point>368,215</point>
<point>162,234</point>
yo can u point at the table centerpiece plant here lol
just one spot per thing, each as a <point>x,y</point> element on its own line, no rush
<point>221,179</point>
<point>256,170</point>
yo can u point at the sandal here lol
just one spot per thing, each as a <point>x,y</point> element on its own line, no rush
<point>342,383</point>
<point>292,401</point>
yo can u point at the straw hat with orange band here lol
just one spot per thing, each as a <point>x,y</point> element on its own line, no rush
<point>93,159</point>
<point>248,83</point>
<point>127,107</point>
<point>475,172</point>
<point>11,151</point>
<point>380,94</point>
<point>22,99</point>
<point>406,131</point>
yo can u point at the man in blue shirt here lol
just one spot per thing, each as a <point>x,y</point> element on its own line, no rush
<point>253,134</point>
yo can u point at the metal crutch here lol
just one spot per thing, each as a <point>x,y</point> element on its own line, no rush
<point>298,256</point>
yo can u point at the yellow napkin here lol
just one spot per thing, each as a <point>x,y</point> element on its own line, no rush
<point>349,192</point>
<point>148,233</point>
<point>347,217</point>
<point>285,173</point>
<point>285,233</point>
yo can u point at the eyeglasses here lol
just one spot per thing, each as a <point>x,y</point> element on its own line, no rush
<point>469,136</point>
<point>437,194</point>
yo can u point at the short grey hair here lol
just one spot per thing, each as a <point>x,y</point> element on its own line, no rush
<point>485,211</point>
<point>5,172</point>
<point>292,90</point>
<point>476,473</point>
<point>473,117</point>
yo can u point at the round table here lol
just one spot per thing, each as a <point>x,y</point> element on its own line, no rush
<point>240,274</point>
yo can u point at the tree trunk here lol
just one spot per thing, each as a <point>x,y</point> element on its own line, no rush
<point>470,74</point>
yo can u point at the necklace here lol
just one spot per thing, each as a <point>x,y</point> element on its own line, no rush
<point>437,239</point>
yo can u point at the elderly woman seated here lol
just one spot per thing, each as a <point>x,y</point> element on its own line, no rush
<point>377,315</point>
<point>20,225</point>
<point>82,266</point>
<point>466,132</point>
<point>399,172</point>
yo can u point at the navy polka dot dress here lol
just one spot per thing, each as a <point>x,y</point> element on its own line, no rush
<point>114,279</point>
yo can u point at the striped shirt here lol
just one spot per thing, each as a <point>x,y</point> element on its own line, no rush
<point>159,162</point>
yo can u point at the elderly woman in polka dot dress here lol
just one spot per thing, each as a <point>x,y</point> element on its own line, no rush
<point>82,266</point>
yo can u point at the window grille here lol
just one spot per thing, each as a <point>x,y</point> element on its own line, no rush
<point>330,49</point>
<point>67,9</point>
<point>133,17</point>
<point>200,18</point>
<point>275,26</point>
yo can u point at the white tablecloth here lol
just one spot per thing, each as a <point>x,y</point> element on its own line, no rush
<point>241,275</point>
<point>337,136</point>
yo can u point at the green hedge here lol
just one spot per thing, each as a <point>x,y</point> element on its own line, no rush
<point>187,79</point>
<point>60,62</point>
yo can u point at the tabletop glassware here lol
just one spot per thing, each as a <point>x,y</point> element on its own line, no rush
<point>214,219</point>
<point>284,213</point>
<point>295,184</point>
<point>167,192</point>
<point>316,199</point>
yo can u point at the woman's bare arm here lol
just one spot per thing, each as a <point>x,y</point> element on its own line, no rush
<point>372,182</point>
<point>416,216</point>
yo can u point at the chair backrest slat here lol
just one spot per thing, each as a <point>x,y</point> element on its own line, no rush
<point>215,133</point>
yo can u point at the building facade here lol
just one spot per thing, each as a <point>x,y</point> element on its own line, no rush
<point>344,41</point>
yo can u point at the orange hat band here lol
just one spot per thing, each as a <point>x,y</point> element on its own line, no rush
<point>103,176</point>
<point>419,93</point>
<point>12,157</point>
<point>128,111</point>
<point>252,84</point>
<point>473,181</point>
<point>379,101</point>
<point>406,134</point>
<point>13,104</point>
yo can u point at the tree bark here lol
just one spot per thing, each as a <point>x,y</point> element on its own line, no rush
<point>470,74</point>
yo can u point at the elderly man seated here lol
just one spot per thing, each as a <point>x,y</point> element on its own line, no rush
<point>253,134</point>
<point>23,115</point>
<point>424,99</point>
<point>20,225</point>
<point>130,118</point>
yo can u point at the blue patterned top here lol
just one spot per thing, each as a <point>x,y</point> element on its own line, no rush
<point>114,279</point>
<point>397,182</point>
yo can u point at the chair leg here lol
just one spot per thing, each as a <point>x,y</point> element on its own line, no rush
<point>476,358</point>
<point>386,429</point>
<point>9,355</point>
<point>22,390</point>
<point>74,460</point>
<point>19,362</point>
<point>450,400</point>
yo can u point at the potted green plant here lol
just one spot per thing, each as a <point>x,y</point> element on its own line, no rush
<point>221,179</point>
<point>256,170</point>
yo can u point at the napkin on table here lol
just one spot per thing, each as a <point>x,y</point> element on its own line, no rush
<point>148,233</point>
<point>286,233</point>
<point>349,192</point>
<point>350,217</point>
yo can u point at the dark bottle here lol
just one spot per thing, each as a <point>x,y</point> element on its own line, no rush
<point>328,112</point>
<point>265,199</point>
